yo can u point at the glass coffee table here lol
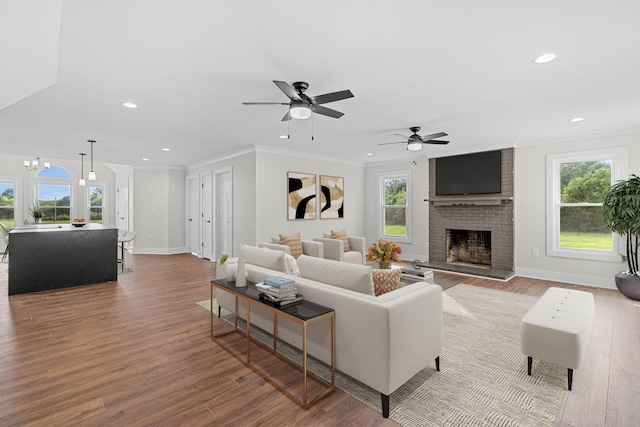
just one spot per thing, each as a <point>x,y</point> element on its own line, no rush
<point>303,313</point>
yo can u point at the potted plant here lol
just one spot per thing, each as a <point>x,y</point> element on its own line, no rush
<point>36,213</point>
<point>621,212</point>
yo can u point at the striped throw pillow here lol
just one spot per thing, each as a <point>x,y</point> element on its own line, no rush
<point>342,235</point>
<point>294,243</point>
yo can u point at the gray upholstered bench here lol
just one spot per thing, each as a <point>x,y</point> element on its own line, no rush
<point>556,328</point>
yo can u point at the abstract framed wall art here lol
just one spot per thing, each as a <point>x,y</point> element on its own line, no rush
<point>331,197</point>
<point>301,197</point>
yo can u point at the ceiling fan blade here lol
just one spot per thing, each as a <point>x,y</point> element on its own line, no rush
<point>332,97</point>
<point>286,117</point>
<point>402,136</point>
<point>288,90</point>
<point>326,111</point>
<point>433,136</point>
<point>433,141</point>
<point>265,103</point>
<point>388,143</point>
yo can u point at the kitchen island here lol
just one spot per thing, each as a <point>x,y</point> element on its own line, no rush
<point>53,256</point>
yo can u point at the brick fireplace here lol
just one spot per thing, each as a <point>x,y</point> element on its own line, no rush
<point>482,221</point>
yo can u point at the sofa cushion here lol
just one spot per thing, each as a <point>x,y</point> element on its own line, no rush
<point>294,243</point>
<point>341,274</point>
<point>263,257</point>
<point>385,280</point>
<point>342,235</point>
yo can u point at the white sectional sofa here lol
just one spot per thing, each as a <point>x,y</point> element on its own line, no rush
<point>380,341</point>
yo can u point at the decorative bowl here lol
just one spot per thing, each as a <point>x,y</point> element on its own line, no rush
<point>78,224</point>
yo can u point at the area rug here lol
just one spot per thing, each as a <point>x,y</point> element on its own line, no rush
<point>483,379</point>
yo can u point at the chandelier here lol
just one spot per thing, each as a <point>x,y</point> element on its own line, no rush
<point>36,165</point>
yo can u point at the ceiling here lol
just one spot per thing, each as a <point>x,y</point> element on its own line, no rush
<point>461,66</point>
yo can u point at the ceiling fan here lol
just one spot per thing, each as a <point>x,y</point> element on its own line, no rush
<point>302,105</point>
<point>415,141</point>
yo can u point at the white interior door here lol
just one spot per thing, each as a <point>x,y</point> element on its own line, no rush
<point>192,215</point>
<point>206,226</point>
<point>224,212</point>
<point>122,205</point>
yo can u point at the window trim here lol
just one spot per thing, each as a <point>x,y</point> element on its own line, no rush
<point>17,197</point>
<point>406,174</point>
<point>618,158</point>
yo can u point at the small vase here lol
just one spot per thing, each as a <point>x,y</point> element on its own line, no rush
<point>241,274</point>
<point>384,265</point>
<point>232,269</point>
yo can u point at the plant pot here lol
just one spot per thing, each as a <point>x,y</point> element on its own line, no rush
<point>628,285</point>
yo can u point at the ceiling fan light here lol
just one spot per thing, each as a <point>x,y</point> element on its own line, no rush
<point>299,111</point>
<point>414,146</point>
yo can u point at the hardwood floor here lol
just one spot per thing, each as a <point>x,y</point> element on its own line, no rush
<point>138,352</point>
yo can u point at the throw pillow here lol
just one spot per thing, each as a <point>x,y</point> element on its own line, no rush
<point>292,266</point>
<point>342,235</point>
<point>327,235</point>
<point>275,239</point>
<point>385,280</point>
<point>294,243</point>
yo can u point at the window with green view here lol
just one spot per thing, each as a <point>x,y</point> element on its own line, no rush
<point>576,185</point>
<point>394,212</point>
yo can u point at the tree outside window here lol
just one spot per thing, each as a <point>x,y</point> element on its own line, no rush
<point>7,204</point>
<point>55,202</point>
<point>95,203</point>
<point>582,189</point>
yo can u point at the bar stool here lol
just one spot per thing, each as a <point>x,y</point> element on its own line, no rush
<point>124,236</point>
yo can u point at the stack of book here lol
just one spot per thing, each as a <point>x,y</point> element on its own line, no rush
<point>280,291</point>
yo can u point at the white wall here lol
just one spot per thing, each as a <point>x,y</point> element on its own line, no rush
<point>530,213</point>
<point>419,211</point>
<point>158,210</point>
<point>271,196</point>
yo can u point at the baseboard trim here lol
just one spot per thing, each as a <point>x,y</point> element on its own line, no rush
<point>159,251</point>
<point>575,279</point>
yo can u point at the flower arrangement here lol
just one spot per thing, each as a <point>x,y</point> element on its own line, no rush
<point>384,252</point>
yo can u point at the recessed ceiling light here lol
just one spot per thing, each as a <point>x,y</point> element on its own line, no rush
<point>544,58</point>
<point>166,149</point>
<point>369,154</point>
<point>130,105</point>
<point>284,136</point>
<point>577,119</point>
<point>145,159</point>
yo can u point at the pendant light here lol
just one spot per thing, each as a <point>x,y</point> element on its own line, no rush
<point>92,174</point>
<point>82,182</point>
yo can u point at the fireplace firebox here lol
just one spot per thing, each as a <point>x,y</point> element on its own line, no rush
<point>469,247</point>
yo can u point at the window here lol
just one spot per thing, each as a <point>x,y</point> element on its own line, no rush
<point>576,184</point>
<point>54,196</point>
<point>395,215</point>
<point>8,202</point>
<point>96,203</point>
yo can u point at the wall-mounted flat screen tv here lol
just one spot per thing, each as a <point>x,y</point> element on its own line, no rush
<point>474,173</point>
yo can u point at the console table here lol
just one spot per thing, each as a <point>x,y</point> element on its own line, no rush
<point>304,313</point>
